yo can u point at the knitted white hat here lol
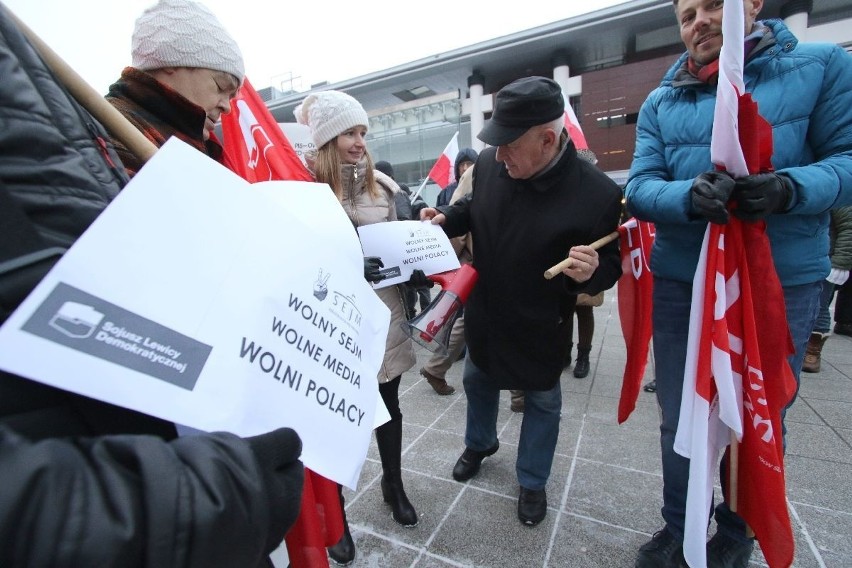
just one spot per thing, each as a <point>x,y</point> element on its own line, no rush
<point>183,33</point>
<point>330,113</point>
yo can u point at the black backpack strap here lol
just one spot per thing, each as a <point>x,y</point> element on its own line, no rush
<point>24,257</point>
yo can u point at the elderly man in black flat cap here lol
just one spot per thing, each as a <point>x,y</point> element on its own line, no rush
<point>533,203</point>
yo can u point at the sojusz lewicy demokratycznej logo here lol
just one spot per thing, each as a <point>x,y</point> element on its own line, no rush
<point>86,323</point>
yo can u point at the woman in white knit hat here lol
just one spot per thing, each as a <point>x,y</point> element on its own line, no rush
<point>185,70</point>
<point>338,126</point>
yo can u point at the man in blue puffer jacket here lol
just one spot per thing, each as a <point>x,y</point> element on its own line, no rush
<point>805,92</point>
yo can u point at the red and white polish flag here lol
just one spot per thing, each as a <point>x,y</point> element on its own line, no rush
<point>443,172</point>
<point>573,125</point>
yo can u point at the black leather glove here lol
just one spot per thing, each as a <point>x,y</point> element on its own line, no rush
<point>372,269</point>
<point>419,279</point>
<point>283,475</point>
<point>710,193</point>
<point>761,195</point>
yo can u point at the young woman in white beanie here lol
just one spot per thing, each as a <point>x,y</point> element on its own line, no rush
<point>185,70</point>
<point>338,126</point>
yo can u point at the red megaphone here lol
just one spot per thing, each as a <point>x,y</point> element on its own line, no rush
<point>432,327</point>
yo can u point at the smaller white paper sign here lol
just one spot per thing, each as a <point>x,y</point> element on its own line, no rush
<point>406,245</point>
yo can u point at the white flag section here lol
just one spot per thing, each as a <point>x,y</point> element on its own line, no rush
<point>406,245</point>
<point>725,149</point>
<point>206,302</point>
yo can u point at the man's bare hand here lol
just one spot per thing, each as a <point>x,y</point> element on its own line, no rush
<point>585,261</point>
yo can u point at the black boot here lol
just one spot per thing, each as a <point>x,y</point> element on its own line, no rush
<point>343,553</point>
<point>581,367</point>
<point>389,440</point>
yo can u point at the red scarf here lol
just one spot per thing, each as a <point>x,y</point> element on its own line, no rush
<point>710,73</point>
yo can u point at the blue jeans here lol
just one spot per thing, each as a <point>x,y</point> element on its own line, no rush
<point>539,428</point>
<point>823,320</point>
<point>671,325</point>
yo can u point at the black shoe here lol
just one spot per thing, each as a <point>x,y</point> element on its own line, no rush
<point>650,387</point>
<point>662,551</point>
<point>581,368</point>
<point>725,552</point>
<point>469,462</point>
<point>843,328</point>
<point>532,506</point>
<point>343,553</point>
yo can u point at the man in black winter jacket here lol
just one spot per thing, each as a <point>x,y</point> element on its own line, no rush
<point>533,202</point>
<point>82,482</point>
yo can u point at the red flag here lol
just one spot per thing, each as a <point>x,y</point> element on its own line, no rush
<point>319,524</point>
<point>255,146</point>
<point>443,172</point>
<point>257,150</point>
<point>573,126</point>
<point>635,288</point>
<point>769,386</point>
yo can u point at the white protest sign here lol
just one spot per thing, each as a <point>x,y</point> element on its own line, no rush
<point>406,245</point>
<point>206,301</point>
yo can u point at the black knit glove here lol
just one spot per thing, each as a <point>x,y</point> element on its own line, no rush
<point>277,454</point>
<point>419,279</point>
<point>372,269</point>
<point>761,195</point>
<point>710,193</point>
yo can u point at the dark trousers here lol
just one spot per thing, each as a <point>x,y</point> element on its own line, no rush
<point>843,303</point>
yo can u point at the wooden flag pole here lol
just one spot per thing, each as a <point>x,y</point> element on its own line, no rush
<point>733,478</point>
<point>733,472</point>
<point>118,126</point>
<point>568,262</point>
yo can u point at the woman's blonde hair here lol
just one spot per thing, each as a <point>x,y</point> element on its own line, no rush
<point>327,169</point>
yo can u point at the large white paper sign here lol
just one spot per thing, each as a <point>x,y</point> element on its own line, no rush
<point>204,300</point>
<point>406,245</point>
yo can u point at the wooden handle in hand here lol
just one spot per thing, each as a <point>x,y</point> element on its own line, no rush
<point>568,262</point>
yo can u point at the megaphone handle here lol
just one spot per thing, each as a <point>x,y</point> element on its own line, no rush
<point>568,262</point>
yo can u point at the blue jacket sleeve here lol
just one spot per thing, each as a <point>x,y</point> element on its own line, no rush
<point>651,193</point>
<point>827,182</point>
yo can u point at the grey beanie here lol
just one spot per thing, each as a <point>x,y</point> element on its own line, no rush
<point>183,33</point>
<point>330,113</point>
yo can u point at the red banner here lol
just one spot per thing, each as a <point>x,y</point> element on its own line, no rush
<point>635,288</point>
<point>255,146</point>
